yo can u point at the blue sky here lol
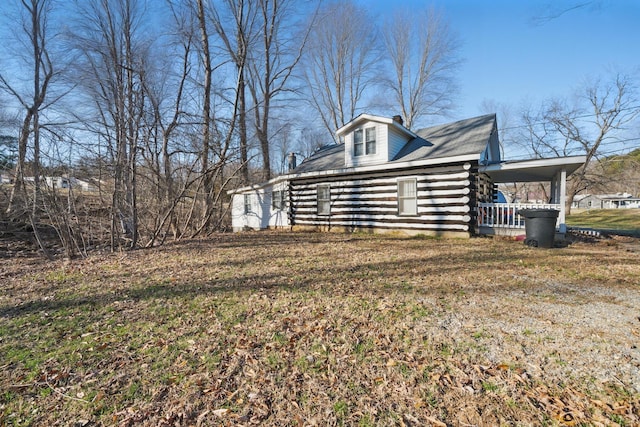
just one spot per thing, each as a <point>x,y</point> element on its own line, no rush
<point>526,51</point>
<point>517,51</point>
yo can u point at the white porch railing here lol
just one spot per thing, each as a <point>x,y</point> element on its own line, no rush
<point>505,215</point>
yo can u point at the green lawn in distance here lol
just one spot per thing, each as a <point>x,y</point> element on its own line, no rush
<point>613,219</point>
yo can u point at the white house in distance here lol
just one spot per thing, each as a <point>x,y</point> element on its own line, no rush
<point>5,178</point>
<point>606,201</point>
<point>63,182</point>
<point>439,180</point>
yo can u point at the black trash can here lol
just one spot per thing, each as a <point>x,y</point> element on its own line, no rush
<point>540,226</point>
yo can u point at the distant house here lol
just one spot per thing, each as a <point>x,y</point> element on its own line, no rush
<point>63,182</point>
<point>5,178</point>
<point>439,180</point>
<point>605,201</point>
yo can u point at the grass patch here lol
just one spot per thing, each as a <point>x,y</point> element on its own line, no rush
<point>613,219</point>
<point>319,329</point>
<point>488,386</point>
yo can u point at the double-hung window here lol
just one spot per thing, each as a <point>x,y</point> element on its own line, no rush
<point>247,203</point>
<point>358,146</point>
<point>277,200</point>
<point>370,140</point>
<point>324,199</point>
<point>407,197</point>
<point>364,141</point>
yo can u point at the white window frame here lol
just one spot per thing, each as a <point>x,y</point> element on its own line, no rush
<point>364,141</point>
<point>405,201</point>
<point>277,200</point>
<point>247,203</point>
<point>323,203</point>
<point>358,143</point>
<point>370,140</point>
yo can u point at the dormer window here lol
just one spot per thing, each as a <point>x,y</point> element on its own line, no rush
<point>372,140</point>
<point>364,141</point>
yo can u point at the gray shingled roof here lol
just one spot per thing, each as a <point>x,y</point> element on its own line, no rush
<point>326,158</point>
<point>460,138</point>
<point>464,137</point>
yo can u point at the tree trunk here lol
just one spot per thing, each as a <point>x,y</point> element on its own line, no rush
<point>18,180</point>
<point>242,127</point>
<point>206,110</point>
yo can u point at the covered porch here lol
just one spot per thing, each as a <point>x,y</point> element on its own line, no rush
<point>503,218</point>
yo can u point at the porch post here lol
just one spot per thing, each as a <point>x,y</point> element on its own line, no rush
<point>561,192</point>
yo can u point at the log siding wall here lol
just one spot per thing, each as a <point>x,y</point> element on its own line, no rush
<point>446,197</point>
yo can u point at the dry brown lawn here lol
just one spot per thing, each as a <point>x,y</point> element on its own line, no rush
<point>300,329</point>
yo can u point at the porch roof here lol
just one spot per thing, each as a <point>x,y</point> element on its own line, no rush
<point>537,170</point>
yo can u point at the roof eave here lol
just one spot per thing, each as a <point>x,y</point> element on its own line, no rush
<point>371,118</point>
<point>360,169</point>
<point>386,166</point>
<point>532,170</point>
<point>272,181</point>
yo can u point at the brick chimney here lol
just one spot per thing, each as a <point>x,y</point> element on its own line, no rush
<point>291,160</point>
<point>398,118</point>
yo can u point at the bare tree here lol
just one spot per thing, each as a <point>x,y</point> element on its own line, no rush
<point>424,57</point>
<point>234,23</point>
<point>311,139</point>
<point>8,142</point>
<point>603,109</point>
<point>35,25</point>
<point>282,142</point>
<point>113,50</point>
<point>197,170</point>
<point>340,62</point>
<point>271,66</point>
<point>206,62</point>
<point>506,116</point>
<point>620,172</point>
<point>550,11</point>
<point>166,93</point>
<point>222,111</point>
<point>509,140</point>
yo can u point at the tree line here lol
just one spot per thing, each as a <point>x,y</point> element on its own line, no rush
<point>599,120</point>
<point>163,106</point>
<point>166,105</point>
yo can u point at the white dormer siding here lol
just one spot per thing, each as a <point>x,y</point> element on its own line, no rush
<point>367,152</point>
<point>396,140</point>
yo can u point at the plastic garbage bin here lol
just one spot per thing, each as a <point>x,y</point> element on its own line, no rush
<point>540,226</point>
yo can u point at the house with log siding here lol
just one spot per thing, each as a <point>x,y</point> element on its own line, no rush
<point>441,180</point>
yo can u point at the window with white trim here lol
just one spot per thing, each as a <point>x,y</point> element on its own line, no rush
<point>324,199</point>
<point>247,203</point>
<point>407,197</point>
<point>358,146</point>
<point>370,140</point>
<point>277,200</point>
<point>364,141</point>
